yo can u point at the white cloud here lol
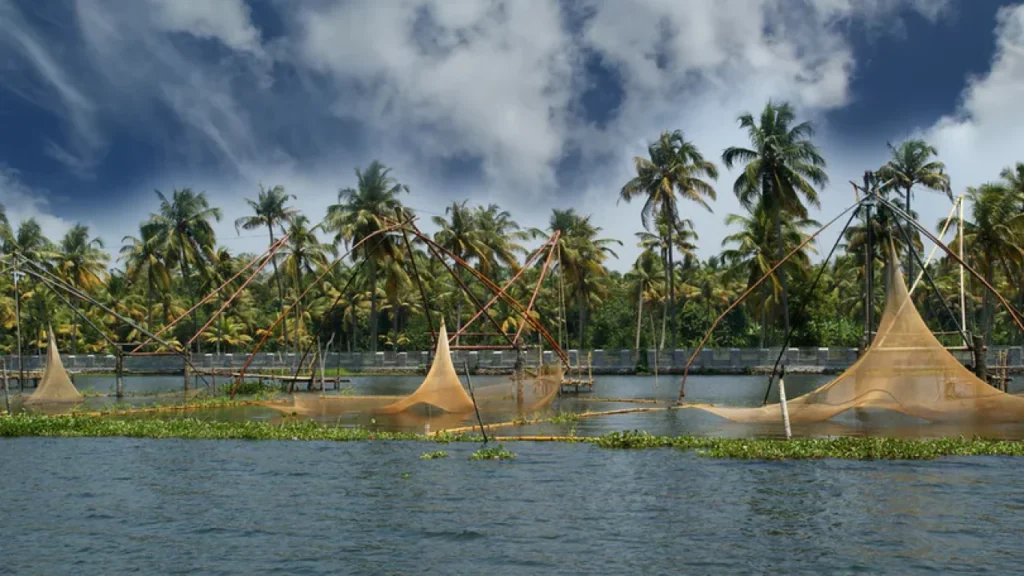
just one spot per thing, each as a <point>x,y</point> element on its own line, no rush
<point>23,203</point>
<point>453,78</point>
<point>987,132</point>
<point>430,81</point>
<point>224,20</point>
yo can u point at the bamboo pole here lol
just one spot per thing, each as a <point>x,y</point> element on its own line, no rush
<point>784,404</point>
<point>750,290</point>
<point>469,383</point>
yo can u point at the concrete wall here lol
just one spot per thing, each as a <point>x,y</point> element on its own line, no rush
<point>603,361</point>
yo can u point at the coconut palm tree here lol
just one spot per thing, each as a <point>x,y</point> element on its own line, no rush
<point>82,263</point>
<point>911,165</point>
<point>749,251</point>
<point>645,280</point>
<point>501,235</point>
<point>581,259</point>
<point>270,210</point>
<point>361,211</point>
<point>781,168</point>
<point>460,235</point>
<point>682,241</point>
<point>994,237</point>
<point>304,254</point>
<point>184,235</point>
<point>674,169</point>
<point>142,258</point>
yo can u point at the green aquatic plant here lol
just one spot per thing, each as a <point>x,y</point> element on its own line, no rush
<point>493,453</point>
<point>564,417</point>
<point>433,455</point>
<point>855,448</point>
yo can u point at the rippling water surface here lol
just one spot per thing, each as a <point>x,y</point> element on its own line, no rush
<point>116,505</point>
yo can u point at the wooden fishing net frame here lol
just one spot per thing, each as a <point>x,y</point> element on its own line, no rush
<point>869,199</point>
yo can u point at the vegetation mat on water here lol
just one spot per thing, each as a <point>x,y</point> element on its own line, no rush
<point>856,448</point>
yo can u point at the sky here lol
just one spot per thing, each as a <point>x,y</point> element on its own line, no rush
<point>530,104</point>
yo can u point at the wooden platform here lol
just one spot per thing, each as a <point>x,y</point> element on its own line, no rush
<point>308,379</point>
<point>577,385</point>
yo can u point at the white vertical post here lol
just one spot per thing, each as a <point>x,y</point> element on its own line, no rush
<point>785,407</point>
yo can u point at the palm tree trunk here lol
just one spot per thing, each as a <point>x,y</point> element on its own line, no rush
<point>782,273</point>
<point>671,282</point>
<point>298,304</point>
<point>220,331</point>
<point>352,332</point>
<point>764,315</point>
<point>583,307</point>
<point>398,317</point>
<point>639,318</point>
<point>373,303</point>
<point>191,295</point>
<point>280,290</point>
<point>664,322</point>
<point>986,301</point>
<point>458,309</point>
<point>149,301</point>
<point>74,327</point>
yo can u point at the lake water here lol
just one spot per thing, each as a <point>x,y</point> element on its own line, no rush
<point>117,505</point>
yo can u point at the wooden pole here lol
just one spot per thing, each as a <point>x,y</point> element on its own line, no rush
<point>469,383</point>
<point>980,368</point>
<point>7,400</point>
<point>782,402</point>
<point>963,299</point>
<point>187,383</point>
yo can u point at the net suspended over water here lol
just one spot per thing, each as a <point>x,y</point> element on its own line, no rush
<point>906,369</point>
<point>443,390</point>
<point>55,385</point>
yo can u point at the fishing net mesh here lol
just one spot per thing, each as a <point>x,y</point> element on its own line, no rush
<point>443,390</point>
<point>906,369</point>
<point>55,385</point>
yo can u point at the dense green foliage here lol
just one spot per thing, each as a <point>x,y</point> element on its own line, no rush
<point>337,280</point>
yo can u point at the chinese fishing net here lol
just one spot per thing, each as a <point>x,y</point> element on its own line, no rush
<point>906,370</point>
<point>441,390</point>
<point>55,387</point>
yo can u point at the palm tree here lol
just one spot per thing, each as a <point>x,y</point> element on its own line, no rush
<point>682,241</point>
<point>270,209</point>
<point>360,212</point>
<point>460,235</point>
<point>501,235</point>
<point>674,169</point>
<point>645,281</point>
<point>184,235</point>
<point>749,254</point>
<point>304,253</point>
<point>142,258</point>
<point>581,259</point>
<point>780,168</point>
<point>82,264</point>
<point>994,236</point>
<point>911,165</point>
